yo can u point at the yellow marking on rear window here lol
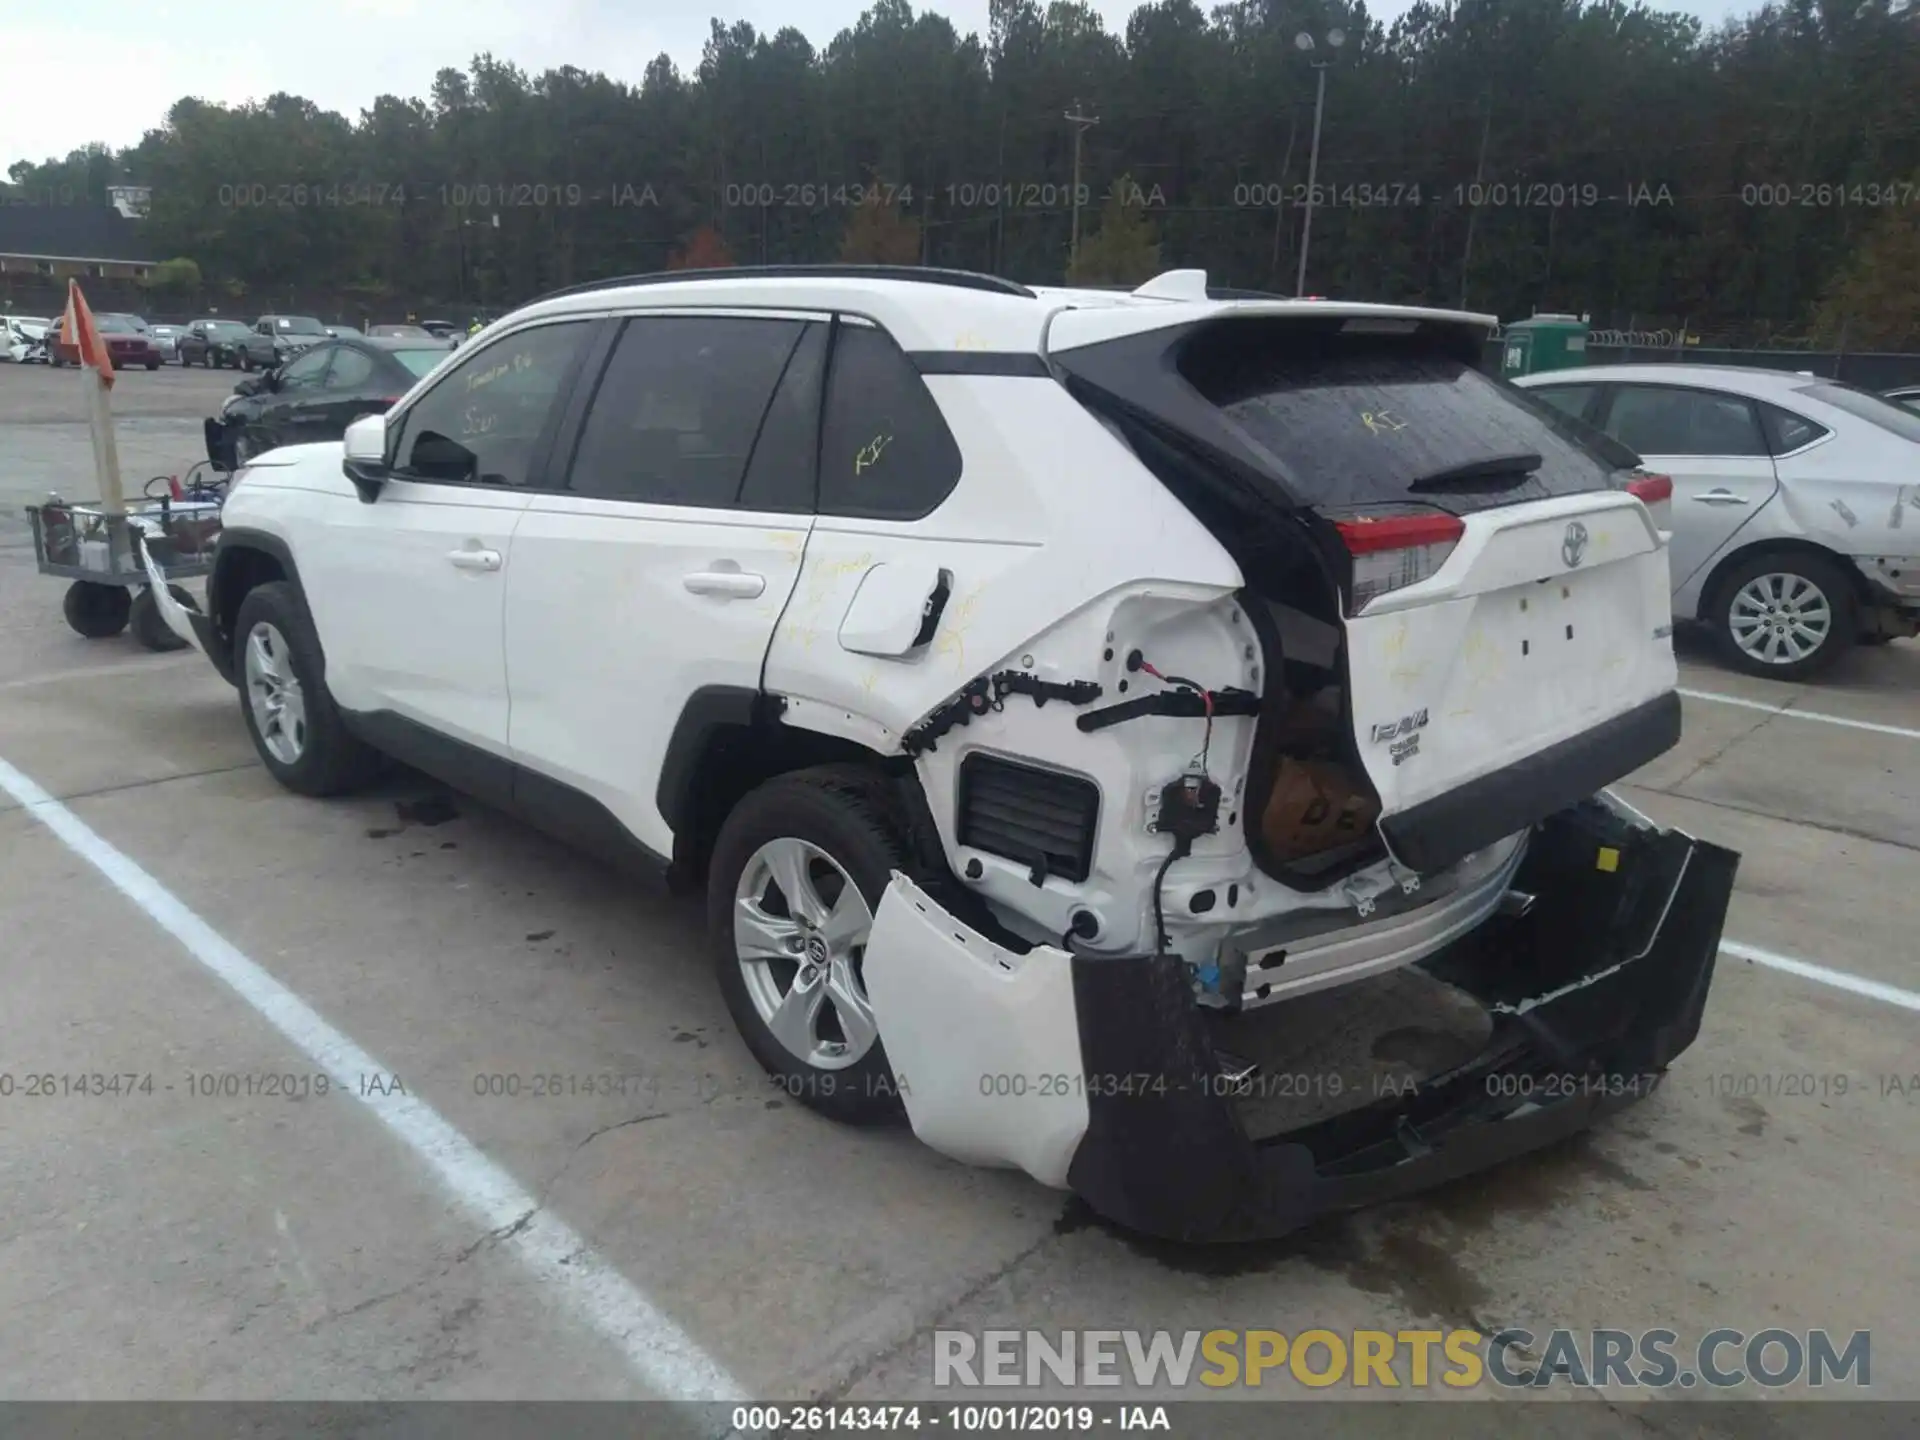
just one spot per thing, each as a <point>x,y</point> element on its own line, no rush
<point>1609,859</point>
<point>869,454</point>
<point>1382,422</point>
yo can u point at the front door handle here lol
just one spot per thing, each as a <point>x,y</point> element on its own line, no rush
<point>732,584</point>
<point>1721,497</point>
<point>474,559</point>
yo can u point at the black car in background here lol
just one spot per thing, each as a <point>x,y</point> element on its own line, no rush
<point>276,339</point>
<point>212,343</point>
<point>316,395</point>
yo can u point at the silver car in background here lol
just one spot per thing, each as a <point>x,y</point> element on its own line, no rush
<point>166,339</point>
<point>1796,502</point>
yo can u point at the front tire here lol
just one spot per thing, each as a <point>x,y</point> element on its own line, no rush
<point>296,728</point>
<point>1785,616</point>
<point>798,871</point>
<point>246,360</point>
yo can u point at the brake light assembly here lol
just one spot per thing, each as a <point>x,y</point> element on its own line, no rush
<point>1651,489</point>
<point>1392,549</point>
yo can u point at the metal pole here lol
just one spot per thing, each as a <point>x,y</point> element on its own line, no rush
<point>1313,176</point>
<point>1080,125</point>
<point>1473,210</point>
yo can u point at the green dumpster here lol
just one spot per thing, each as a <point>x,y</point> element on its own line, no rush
<point>1545,342</point>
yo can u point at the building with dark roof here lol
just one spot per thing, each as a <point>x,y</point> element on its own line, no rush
<point>54,237</point>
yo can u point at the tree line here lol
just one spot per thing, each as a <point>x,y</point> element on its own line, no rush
<point>1758,182</point>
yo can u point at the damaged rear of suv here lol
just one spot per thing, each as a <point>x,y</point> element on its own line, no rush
<point>1156,741</point>
<point>1369,921</point>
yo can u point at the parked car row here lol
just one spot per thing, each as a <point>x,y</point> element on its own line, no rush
<point>270,341</point>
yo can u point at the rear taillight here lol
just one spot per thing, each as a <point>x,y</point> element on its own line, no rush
<point>1392,551</point>
<point>1651,489</point>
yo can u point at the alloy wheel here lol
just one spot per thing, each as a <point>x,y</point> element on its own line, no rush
<point>1780,619</point>
<point>274,695</point>
<point>800,928</point>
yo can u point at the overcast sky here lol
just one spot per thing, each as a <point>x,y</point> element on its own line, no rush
<point>138,57</point>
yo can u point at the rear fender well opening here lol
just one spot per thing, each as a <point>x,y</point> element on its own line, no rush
<point>727,746</point>
<point>1711,591</point>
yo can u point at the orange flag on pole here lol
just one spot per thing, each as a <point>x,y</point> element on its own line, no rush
<point>78,330</point>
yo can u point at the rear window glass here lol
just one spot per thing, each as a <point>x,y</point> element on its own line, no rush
<point>419,362</point>
<point>885,450</point>
<point>1357,419</point>
<point>1868,406</point>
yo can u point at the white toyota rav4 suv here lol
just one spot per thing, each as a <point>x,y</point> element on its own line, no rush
<point>1051,688</point>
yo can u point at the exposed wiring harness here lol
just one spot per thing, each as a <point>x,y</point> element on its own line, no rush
<point>1190,807</point>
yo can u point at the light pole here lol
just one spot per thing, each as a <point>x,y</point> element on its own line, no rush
<point>1334,40</point>
<point>1081,124</point>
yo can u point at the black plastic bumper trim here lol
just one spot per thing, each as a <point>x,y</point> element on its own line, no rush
<point>1439,832</point>
<point>1171,1158</point>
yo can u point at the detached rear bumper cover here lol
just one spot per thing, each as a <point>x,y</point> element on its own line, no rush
<point>1100,1075</point>
<point>190,625</point>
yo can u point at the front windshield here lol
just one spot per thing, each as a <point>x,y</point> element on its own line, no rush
<point>113,325</point>
<point>299,325</point>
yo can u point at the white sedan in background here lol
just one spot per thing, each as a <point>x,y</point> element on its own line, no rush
<point>18,333</point>
<point>1796,502</point>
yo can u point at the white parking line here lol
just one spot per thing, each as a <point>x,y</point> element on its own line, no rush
<point>665,1358</point>
<point>1789,713</point>
<point>1839,979</point>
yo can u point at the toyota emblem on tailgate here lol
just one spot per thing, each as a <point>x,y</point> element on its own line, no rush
<point>1573,549</point>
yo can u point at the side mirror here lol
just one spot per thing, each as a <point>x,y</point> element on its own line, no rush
<point>365,459</point>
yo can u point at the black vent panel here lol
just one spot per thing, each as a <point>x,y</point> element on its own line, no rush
<point>1042,818</point>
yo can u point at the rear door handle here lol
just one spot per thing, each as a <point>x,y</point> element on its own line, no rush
<point>474,559</point>
<point>731,584</point>
<point>1721,497</point>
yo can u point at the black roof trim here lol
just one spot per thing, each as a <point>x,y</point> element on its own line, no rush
<point>917,274</point>
<point>980,362</point>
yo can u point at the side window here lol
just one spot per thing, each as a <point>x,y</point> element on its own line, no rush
<point>780,475</point>
<point>1664,420</point>
<point>351,369</point>
<point>481,423</point>
<point>1787,431</point>
<point>675,415</point>
<point>885,451</point>
<point>305,373</point>
<point>1567,399</point>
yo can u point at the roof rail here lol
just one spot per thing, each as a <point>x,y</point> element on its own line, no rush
<point>919,274</point>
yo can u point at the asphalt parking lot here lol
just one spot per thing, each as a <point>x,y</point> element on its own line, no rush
<point>171,913</point>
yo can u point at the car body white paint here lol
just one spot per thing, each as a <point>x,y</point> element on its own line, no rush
<point>566,633</point>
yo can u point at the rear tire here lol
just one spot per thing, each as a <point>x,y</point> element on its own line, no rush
<point>794,970</point>
<point>149,627</point>
<point>95,611</point>
<point>296,728</point>
<point>1784,615</point>
<point>152,365</point>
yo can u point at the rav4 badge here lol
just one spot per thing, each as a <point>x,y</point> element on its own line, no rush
<point>1394,729</point>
